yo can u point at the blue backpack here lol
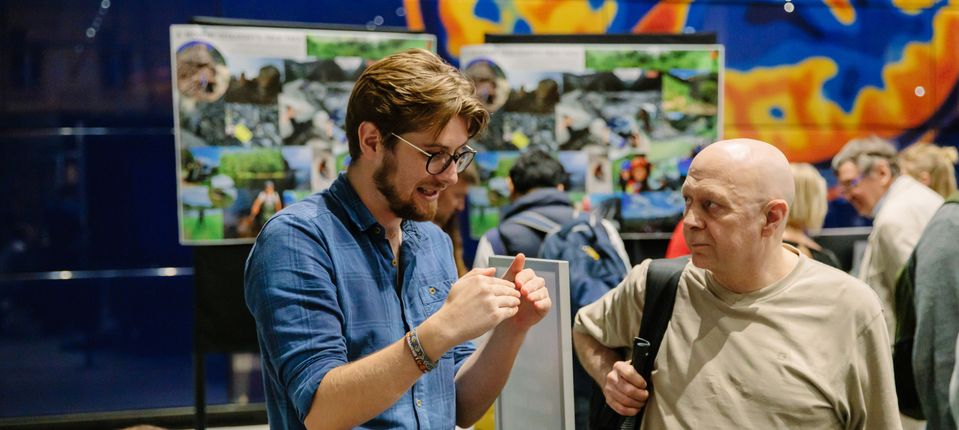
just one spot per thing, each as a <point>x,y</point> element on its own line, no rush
<point>530,219</point>
<point>595,266</point>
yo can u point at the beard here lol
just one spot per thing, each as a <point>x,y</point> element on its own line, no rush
<point>405,209</point>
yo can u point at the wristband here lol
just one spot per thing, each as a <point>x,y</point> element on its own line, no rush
<point>419,355</point>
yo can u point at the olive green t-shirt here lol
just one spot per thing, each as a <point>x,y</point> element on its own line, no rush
<point>809,351</point>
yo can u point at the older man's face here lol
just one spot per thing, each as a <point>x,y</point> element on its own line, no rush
<point>719,226</point>
<point>862,191</point>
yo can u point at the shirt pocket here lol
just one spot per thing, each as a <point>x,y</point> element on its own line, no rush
<point>433,296</point>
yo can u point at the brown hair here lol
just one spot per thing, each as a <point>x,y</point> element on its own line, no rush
<point>413,90</point>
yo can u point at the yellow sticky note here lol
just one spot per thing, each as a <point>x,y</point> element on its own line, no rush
<point>242,133</point>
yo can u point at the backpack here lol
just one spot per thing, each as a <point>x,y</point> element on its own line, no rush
<point>529,219</point>
<point>595,266</point>
<point>662,281</point>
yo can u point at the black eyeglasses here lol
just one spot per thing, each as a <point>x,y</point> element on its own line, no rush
<point>438,162</point>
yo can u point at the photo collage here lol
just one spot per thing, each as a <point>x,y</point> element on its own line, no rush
<point>624,120</point>
<point>260,119</point>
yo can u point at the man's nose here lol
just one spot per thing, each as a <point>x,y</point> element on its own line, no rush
<point>692,220</point>
<point>448,176</point>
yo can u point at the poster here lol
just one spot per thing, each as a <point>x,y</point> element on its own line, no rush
<point>259,116</point>
<point>624,120</point>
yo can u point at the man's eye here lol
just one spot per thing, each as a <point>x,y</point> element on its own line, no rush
<point>708,204</point>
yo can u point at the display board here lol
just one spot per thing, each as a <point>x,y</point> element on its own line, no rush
<point>259,116</point>
<point>624,120</point>
<point>539,392</point>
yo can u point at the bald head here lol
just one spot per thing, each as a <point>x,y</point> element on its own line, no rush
<point>755,170</point>
<point>737,197</point>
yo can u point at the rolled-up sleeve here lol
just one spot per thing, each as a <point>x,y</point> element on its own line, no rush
<point>292,296</point>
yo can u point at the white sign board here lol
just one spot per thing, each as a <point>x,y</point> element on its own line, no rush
<point>539,393</point>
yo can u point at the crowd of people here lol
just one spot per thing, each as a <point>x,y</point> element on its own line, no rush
<point>366,312</point>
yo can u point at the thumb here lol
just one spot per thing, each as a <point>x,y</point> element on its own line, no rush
<point>515,267</point>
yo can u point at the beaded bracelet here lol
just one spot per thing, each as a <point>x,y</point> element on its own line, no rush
<point>419,355</point>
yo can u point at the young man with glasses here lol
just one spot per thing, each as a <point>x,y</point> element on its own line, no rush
<point>361,319</point>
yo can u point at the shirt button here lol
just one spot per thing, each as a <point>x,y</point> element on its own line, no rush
<point>432,291</point>
<point>419,402</point>
<point>394,262</point>
<point>376,230</point>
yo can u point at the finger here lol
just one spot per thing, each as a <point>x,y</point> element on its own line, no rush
<point>497,281</point>
<point>506,313</point>
<point>543,305</point>
<point>484,271</point>
<point>504,290</point>
<point>533,285</point>
<point>623,410</point>
<point>515,267</point>
<point>525,276</point>
<point>537,294</point>
<point>507,302</point>
<point>630,375</point>
<point>622,399</point>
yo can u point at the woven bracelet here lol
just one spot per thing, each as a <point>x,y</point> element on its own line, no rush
<point>419,355</point>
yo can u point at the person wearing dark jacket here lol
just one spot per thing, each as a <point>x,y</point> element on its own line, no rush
<point>537,184</point>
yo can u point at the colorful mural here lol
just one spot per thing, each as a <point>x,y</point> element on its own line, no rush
<point>806,76</point>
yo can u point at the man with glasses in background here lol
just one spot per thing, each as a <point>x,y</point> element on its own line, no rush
<point>361,319</point>
<point>869,178</point>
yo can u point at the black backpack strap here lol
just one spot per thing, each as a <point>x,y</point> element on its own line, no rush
<point>662,281</point>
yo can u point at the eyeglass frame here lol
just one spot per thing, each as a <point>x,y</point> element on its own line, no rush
<point>845,189</point>
<point>453,158</point>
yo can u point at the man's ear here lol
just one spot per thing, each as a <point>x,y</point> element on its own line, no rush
<point>883,172</point>
<point>777,213</point>
<point>370,140</point>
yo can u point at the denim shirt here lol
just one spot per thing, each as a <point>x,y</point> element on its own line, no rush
<point>321,283</point>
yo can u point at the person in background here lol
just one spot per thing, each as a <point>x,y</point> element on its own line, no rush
<point>360,317</point>
<point>761,336</point>
<point>537,182</point>
<point>451,203</point>
<point>931,165</point>
<point>266,204</point>
<point>807,214</point>
<point>868,176</point>
<point>936,299</point>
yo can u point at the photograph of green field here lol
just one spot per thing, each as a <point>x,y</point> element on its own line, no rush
<point>366,48</point>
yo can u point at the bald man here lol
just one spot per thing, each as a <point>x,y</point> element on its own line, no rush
<point>760,336</point>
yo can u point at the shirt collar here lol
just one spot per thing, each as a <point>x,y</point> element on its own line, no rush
<point>360,215</point>
<point>882,200</point>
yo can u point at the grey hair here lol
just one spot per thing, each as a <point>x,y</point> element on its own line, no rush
<point>864,152</point>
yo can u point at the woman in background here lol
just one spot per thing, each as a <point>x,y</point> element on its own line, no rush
<point>932,165</point>
<point>807,214</point>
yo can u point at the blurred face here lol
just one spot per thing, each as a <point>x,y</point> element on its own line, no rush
<point>452,201</point>
<point>721,224</point>
<point>413,193</point>
<point>862,191</point>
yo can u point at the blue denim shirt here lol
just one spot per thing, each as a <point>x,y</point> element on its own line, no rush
<point>321,283</point>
